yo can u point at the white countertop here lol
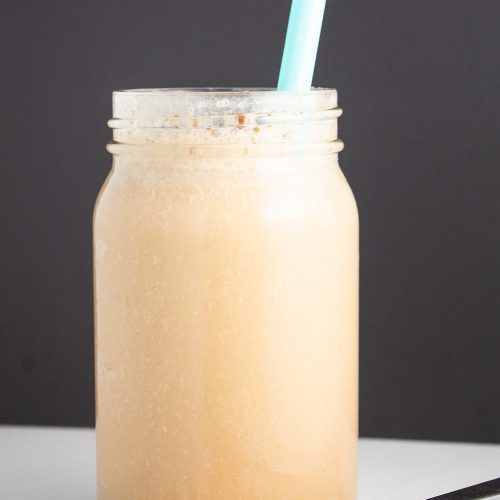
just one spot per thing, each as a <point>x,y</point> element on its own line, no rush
<point>43,463</point>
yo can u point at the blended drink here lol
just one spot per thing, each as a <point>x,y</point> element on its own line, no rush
<point>226,299</point>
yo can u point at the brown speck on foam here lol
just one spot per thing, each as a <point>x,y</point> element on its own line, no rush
<point>241,119</point>
<point>256,130</point>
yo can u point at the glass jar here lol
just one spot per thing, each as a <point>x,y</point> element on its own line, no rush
<point>226,299</point>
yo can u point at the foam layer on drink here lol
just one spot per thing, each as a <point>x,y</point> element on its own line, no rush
<point>222,118</point>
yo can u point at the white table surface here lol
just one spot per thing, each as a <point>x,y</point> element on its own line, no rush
<point>41,463</point>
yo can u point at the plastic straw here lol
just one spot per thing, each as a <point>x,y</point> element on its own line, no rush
<point>301,45</point>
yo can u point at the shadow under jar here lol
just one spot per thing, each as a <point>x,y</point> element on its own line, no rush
<point>226,299</point>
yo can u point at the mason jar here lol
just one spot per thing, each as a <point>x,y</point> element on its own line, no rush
<point>226,299</point>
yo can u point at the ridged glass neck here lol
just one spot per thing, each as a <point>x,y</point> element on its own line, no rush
<point>225,122</point>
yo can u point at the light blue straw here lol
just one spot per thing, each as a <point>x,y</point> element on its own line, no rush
<point>301,45</point>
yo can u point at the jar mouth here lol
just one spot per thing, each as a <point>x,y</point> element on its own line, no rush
<point>210,101</point>
<point>223,90</point>
<point>220,115</point>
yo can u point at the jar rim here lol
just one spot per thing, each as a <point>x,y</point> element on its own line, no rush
<point>218,101</point>
<point>214,91</point>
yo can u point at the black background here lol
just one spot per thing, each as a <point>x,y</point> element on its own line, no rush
<point>419,81</point>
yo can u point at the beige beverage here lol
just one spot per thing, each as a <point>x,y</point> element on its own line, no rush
<point>226,300</point>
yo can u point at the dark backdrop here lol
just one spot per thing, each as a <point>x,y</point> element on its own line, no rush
<point>419,81</point>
